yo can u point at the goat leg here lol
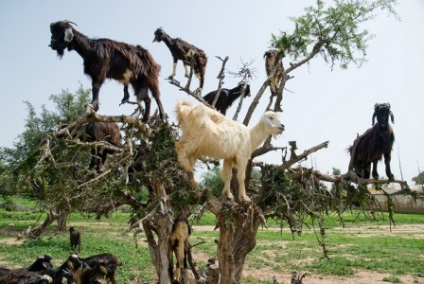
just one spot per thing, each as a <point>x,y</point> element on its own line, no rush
<point>126,95</point>
<point>387,158</point>
<point>374,169</point>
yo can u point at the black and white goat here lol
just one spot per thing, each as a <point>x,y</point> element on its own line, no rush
<point>105,58</point>
<point>375,143</point>
<point>227,97</point>
<point>181,50</point>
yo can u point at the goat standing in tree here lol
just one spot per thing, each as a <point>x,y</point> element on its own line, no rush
<point>373,144</point>
<point>227,97</point>
<point>181,50</point>
<point>271,58</point>
<point>206,132</point>
<point>105,58</point>
<point>179,245</point>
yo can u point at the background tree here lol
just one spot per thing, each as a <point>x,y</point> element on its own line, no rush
<point>21,178</point>
<point>419,179</point>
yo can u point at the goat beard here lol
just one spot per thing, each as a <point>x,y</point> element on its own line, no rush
<point>60,52</point>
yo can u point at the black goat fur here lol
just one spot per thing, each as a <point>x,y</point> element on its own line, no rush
<point>227,97</point>
<point>106,58</point>
<point>108,260</point>
<point>375,143</point>
<point>74,238</point>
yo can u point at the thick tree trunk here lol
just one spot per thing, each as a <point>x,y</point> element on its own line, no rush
<point>160,222</point>
<point>238,225</point>
<point>61,221</point>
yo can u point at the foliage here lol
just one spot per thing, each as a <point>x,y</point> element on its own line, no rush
<point>419,179</point>
<point>334,32</point>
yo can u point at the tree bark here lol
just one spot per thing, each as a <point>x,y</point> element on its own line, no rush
<point>238,225</point>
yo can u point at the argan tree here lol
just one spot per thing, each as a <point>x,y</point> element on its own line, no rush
<point>144,172</point>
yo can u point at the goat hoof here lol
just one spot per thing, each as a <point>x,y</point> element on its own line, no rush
<point>244,199</point>
<point>229,196</point>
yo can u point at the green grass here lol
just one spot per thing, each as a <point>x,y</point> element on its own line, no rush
<point>363,245</point>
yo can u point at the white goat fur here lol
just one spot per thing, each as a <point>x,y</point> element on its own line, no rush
<point>206,132</point>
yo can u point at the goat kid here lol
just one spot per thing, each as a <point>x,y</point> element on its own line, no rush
<point>375,143</point>
<point>179,245</point>
<point>105,58</point>
<point>181,50</point>
<point>206,132</point>
<point>74,238</point>
<point>227,97</point>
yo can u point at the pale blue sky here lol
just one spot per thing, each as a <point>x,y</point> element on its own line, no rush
<point>326,105</point>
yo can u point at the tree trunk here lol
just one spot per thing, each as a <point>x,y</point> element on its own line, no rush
<point>36,232</point>
<point>238,226</point>
<point>160,222</point>
<point>61,221</point>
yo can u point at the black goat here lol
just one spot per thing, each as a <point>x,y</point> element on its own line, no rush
<point>227,97</point>
<point>109,261</point>
<point>179,245</point>
<point>74,238</point>
<point>105,58</point>
<point>271,58</point>
<point>64,274</point>
<point>22,275</point>
<point>87,275</point>
<point>39,265</point>
<point>373,144</point>
<point>181,50</point>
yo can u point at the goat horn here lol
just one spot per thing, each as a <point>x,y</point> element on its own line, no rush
<point>373,118</point>
<point>69,22</point>
<point>392,117</point>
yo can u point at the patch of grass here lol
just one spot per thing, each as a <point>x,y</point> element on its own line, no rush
<point>373,249</point>
<point>392,279</point>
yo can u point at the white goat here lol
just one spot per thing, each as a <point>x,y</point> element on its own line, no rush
<point>207,132</point>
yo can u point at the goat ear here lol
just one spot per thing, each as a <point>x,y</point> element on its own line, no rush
<point>69,35</point>
<point>392,117</point>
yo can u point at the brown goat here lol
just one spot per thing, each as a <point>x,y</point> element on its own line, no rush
<point>181,50</point>
<point>271,57</point>
<point>179,245</point>
<point>105,58</point>
<point>98,132</point>
<point>375,143</point>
